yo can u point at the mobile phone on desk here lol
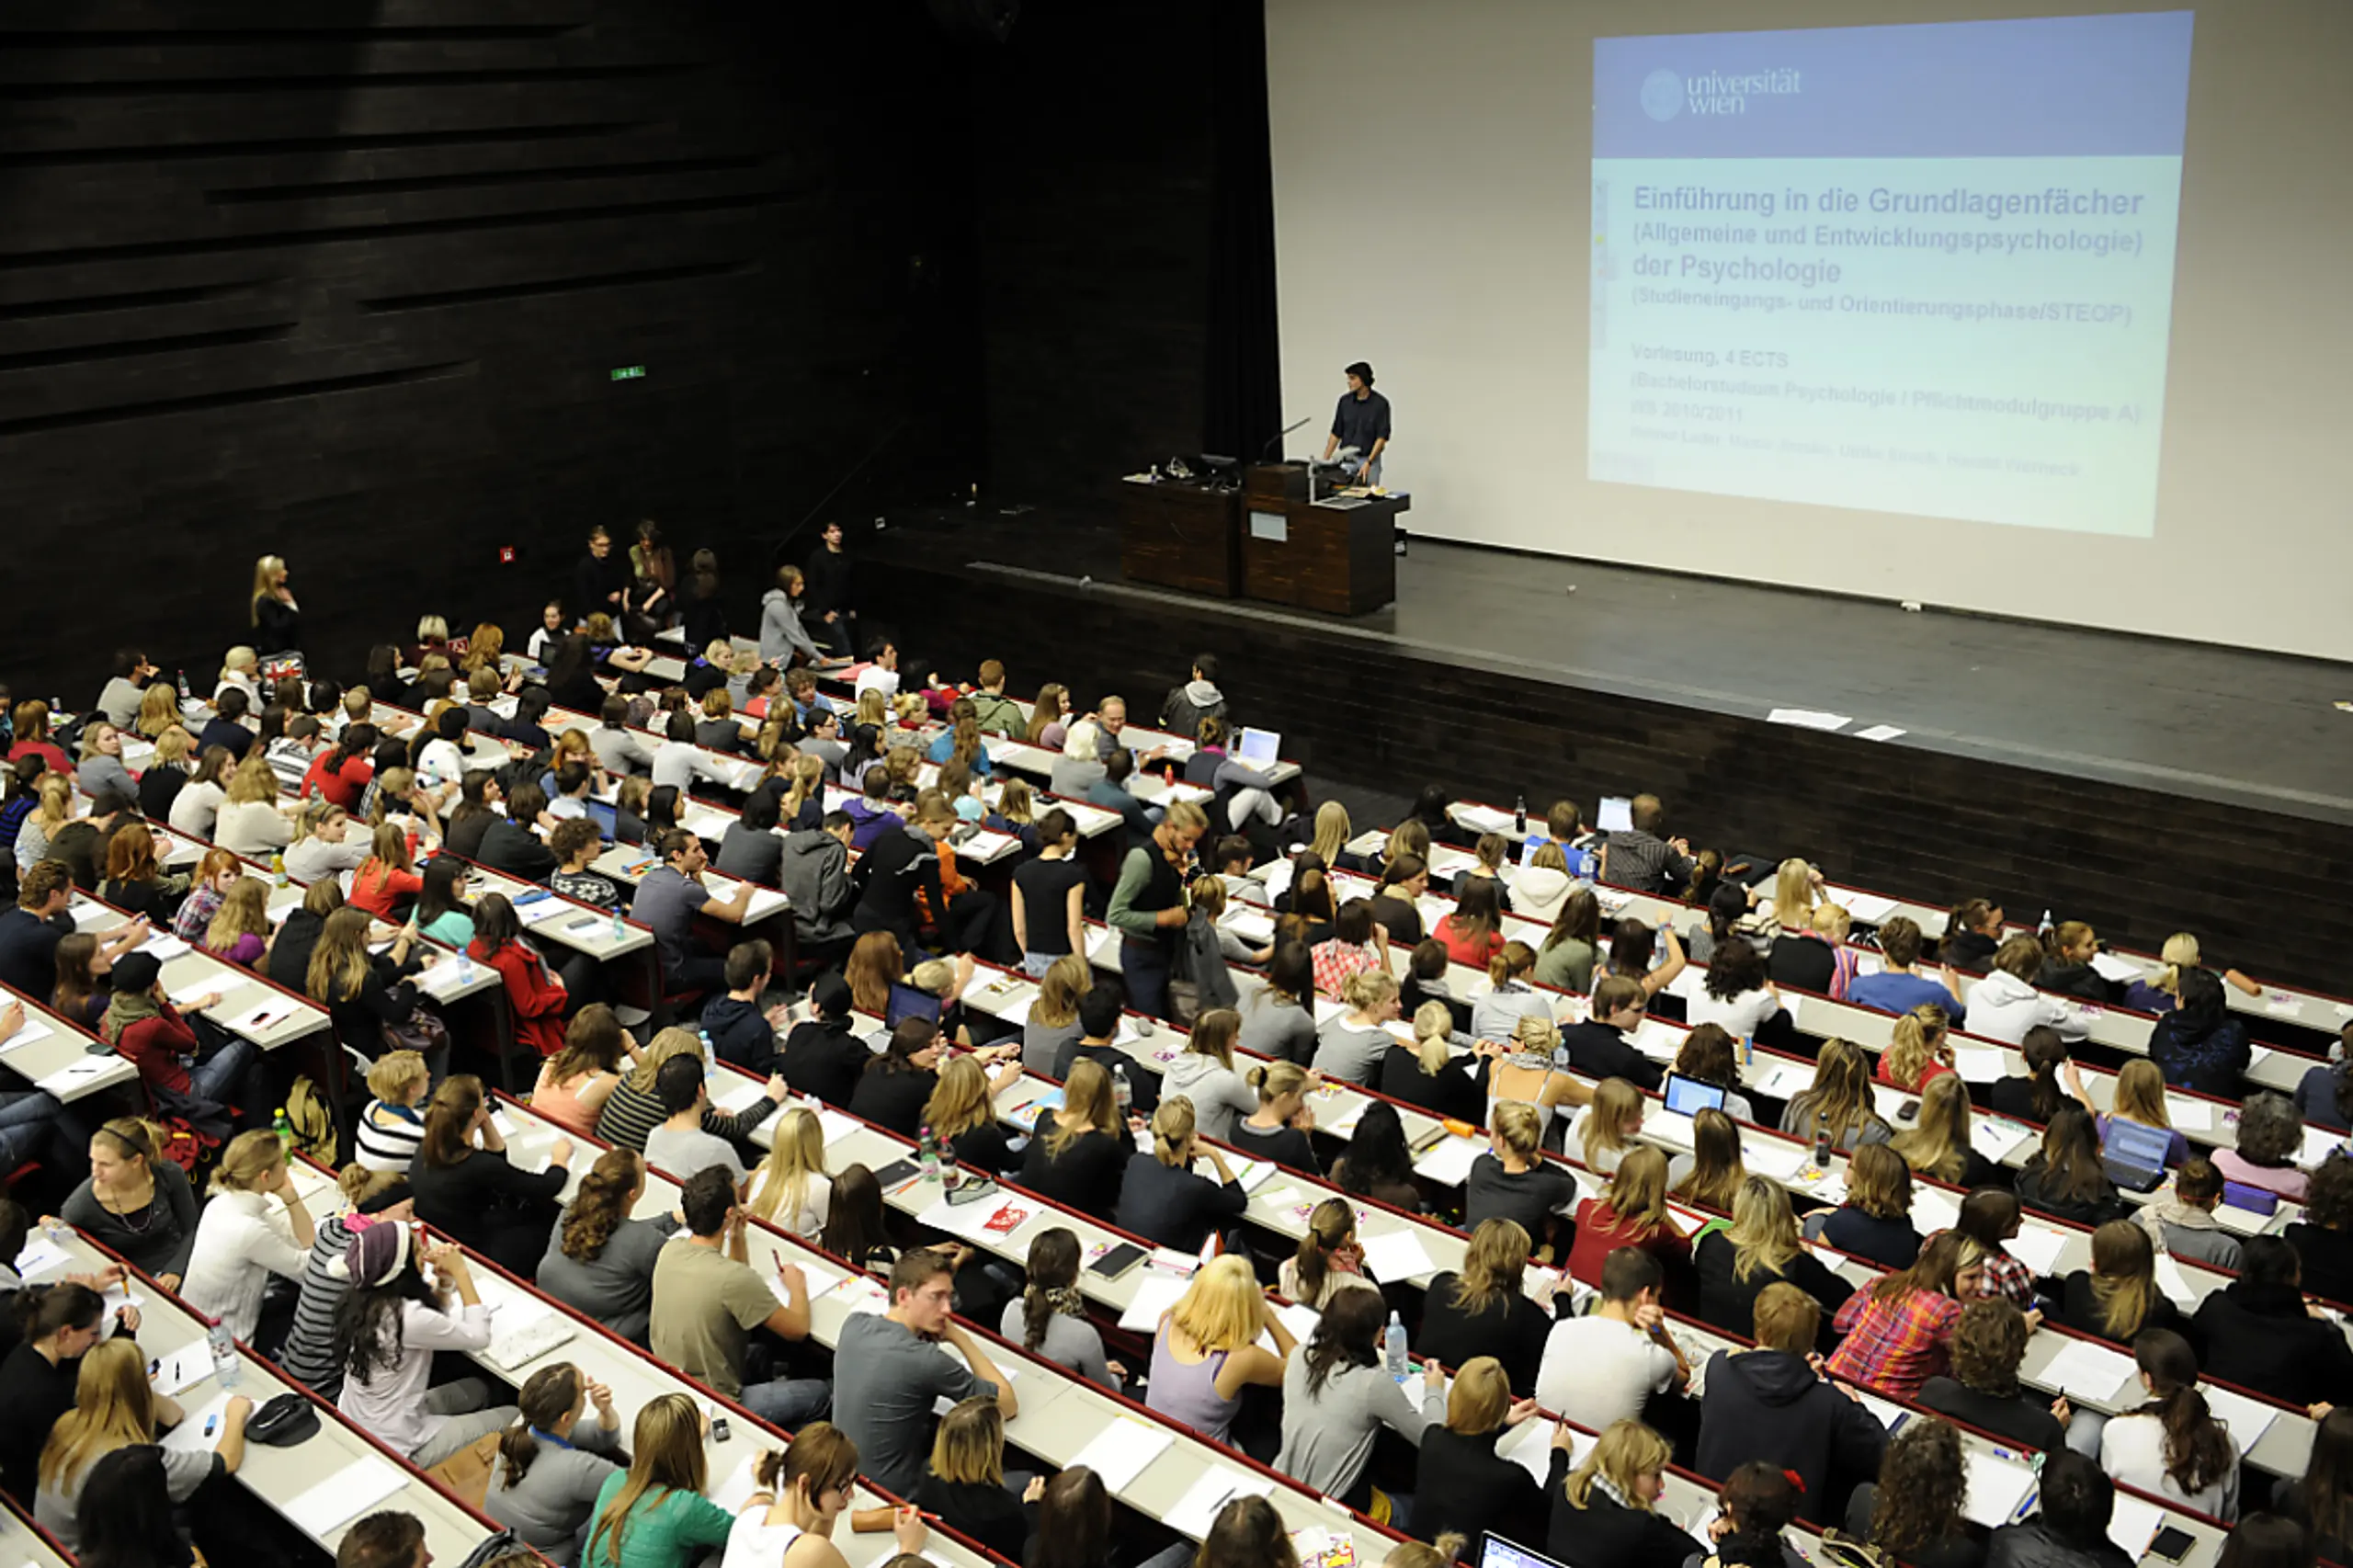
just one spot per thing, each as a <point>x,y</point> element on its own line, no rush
<point>2172,1544</point>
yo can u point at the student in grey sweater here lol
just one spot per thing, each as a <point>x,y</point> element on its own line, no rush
<point>1063,1336</point>
<point>680,1147</point>
<point>1338,1397</point>
<point>1352,1046</point>
<point>600,1261</point>
<point>553,1460</point>
<point>1278,1017</point>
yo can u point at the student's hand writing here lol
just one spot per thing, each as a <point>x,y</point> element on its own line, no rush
<point>560,1154</point>
<point>2062,1411</point>
<point>794,1279</point>
<point>908,1526</point>
<point>127,1316</point>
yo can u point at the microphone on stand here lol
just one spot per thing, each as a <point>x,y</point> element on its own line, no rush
<point>1277,436</point>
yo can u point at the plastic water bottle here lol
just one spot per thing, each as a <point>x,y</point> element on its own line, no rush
<point>224,1353</point>
<point>1519,816</point>
<point>1392,1348</point>
<point>709,1057</point>
<point>285,1131</point>
<point>620,925</point>
<point>465,967</point>
<point>926,1153</point>
<point>1120,1089</point>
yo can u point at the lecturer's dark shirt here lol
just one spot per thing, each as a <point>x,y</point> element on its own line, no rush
<point>1360,422</point>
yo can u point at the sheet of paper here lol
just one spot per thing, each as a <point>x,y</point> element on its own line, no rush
<point>2134,1524</point>
<point>1448,1160</point>
<point>188,1437</point>
<point>2176,1287</point>
<point>2319,1143</point>
<point>33,1028</point>
<point>2189,1116</point>
<point>1197,1509</point>
<point>77,1075</point>
<point>1532,1448</point>
<point>1120,1452</point>
<point>1784,1079</point>
<point>1155,1293</point>
<point>1878,732</point>
<point>184,1367</point>
<point>1886,1412</point>
<point>41,1254</point>
<point>1997,1139</point>
<point>1484,818</point>
<point>1979,1064</point>
<point>1395,1255</point>
<point>346,1494</point>
<point>164,947</point>
<point>1869,907</point>
<point>2241,1222</point>
<point>1934,1209</point>
<point>2085,1371</point>
<point>1809,718</point>
<point>1998,1488</point>
<point>262,1019</point>
<point>2249,1418</point>
<point>2038,1247</point>
<point>1776,1157</point>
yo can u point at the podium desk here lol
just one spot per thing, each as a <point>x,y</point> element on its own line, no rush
<point>1334,553</point>
<point>1179,535</point>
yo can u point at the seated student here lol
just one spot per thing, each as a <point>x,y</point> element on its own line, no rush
<point>1510,997</point>
<point>668,899</point>
<point>239,930</point>
<point>889,1369</point>
<point>708,1300</point>
<point>255,1226</point>
<point>790,1189</point>
<point>898,1081</point>
<point>1973,935</point>
<point>962,1110</point>
<point>1770,1405</point>
<point>1600,1368</point>
<point>1278,1018</point>
<point>1099,1025</point>
<point>1472,931</point>
<point>740,1030</point>
<point>815,877</point>
<point>1352,1045</point>
<point>680,1147</point>
<point>1205,1073</point>
<point>1840,1105</point>
<point>2324,1094</point>
<point>1329,1259</point>
<point>1078,1151</point>
<point>1711,1175</point>
<point>1813,957</point>
<point>633,1109</point>
<point>1983,1387</point>
<point>1734,995</point>
<point>2006,1004</point>
<point>752,847</point>
<point>964,1487</point>
<point>2036,1096</point>
<point>1379,1164</point>
<point>1875,1222</point>
<point>58,1324</point>
<point>115,1408</point>
<point>1277,1130</point>
<point>599,1260</point>
<point>1912,1513</point>
<point>1599,1047</point>
<point>1898,1331</point>
<point>1936,1144</point>
<point>1708,1056</point>
<point>2118,1298</point>
<point>1108,789</point>
<point>822,1057</point>
<point>1919,1050</point>
<point>1461,1484</point>
<point>575,1083</point>
<point>2068,950</point>
<point>470,1192</point>
<point>136,1202</point>
<point>2140,1097</point>
<point>1049,1318</point>
<point>387,881</point>
<point>2270,1136</point>
<point>653,1515</point>
<point>1605,1512</point>
<point>2257,1331</point>
<point>1161,1197</point>
<point>1609,1129</point>
<point>386,1332</point>
<point>553,1460</point>
<point>2179,1217</point>
<point>1633,945</point>
<point>2071,1529</point>
<point>1760,1246</point>
<point>1631,1211</point>
<point>1429,1074</point>
<point>1338,1396</point>
<point>510,844</point>
<point>2320,1500</point>
<point>1483,1311</point>
<point>1899,987</point>
<point>1356,945</point>
<point>1513,1180</point>
<point>2172,1446</point>
<point>1402,881</point>
<point>2323,1236</point>
<point>2065,1179</point>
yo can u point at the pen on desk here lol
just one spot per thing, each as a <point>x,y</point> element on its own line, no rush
<point>211,1425</point>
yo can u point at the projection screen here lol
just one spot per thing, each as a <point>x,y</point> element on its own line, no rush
<point>1994,307</point>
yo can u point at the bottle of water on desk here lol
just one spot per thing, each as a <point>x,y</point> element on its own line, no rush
<point>926,1153</point>
<point>285,1131</point>
<point>620,925</point>
<point>225,1366</point>
<point>1122,1091</point>
<point>1392,1348</point>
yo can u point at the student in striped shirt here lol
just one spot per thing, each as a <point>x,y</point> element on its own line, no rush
<point>308,1355</point>
<point>392,1127</point>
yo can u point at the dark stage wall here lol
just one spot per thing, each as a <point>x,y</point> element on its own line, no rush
<point>346,282</point>
<point>2262,891</point>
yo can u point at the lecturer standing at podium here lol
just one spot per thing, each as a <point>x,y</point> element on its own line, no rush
<point>1361,422</point>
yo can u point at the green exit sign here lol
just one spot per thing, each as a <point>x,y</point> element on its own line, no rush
<point>630,373</point>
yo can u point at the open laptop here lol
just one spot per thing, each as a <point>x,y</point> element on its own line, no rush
<point>907,1002</point>
<point>1689,1096</point>
<point>1258,747</point>
<point>1616,815</point>
<point>607,816</point>
<point>2134,1155</point>
<point>1497,1553</point>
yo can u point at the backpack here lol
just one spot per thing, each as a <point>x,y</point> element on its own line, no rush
<point>311,1121</point>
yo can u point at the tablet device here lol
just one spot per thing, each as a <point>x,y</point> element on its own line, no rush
<point>1689,1096</point>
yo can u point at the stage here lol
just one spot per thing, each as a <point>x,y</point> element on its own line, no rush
<point>2146,786</point>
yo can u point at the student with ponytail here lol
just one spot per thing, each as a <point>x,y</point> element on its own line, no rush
<point>1328,1260</point>
<point>599,1261</point>
<point>2173,1444</point>
<point>59,1325</point>
<point>1164,1199</point>
<point>554,1460</point>
<point>1049,1318</point>
<point>803,1489</point>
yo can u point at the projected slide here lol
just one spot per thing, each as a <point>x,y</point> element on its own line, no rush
<point>1923,269</point>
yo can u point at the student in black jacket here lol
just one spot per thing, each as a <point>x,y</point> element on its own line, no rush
<point>2118,1299</point>
<point>1875,1220</point>
<point>1463,1486</point>
<point>822,1057</point>
<point>2067,966</point>
<point>2322,1498</point>
<point>1598,1049</point>
<point>740,1030</point>
<point>289,963</point>
<point>1912,1512</point>
<point>1971,934</point>
<point>2065,1179</point>
<point>508,844</point>
<point>895,1087</point>
<point>2324,1237</point>
<point>1078,1151</point>
<point>472,1193</point>
<point>1276,1131</point>
<point>1590,1528</point>
<point>962,1110</point>
<point>1098,1023</point>
<point>1164,1199</point>
<point>1483,1312</point>
<point>964,1484</point>
<point>2257,1333</point>
<point>902,864</point>
<point>364,991</point>
<point>1983,1388</point>
<point>1770,1405</point>
<point>1761,1247</point>
<point>2071,1531</point>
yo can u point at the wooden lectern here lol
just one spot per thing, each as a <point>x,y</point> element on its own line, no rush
<point>1179,535</point>
<point>1336,554</point>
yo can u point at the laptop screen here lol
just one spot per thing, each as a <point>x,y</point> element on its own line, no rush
<point>606,817</point>
<point>1616,815</point>
<point>2142,1148</point>
<point>1689,1096</point>
<point>1258,747</point>
<point>907,1002</point>
<point>1501,1554</point>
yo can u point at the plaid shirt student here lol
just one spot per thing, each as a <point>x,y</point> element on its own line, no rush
<point>1894,1346</point>
<point>1334,961</point>
<point>2004,1275</point>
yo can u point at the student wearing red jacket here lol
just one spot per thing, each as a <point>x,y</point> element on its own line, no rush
<point>538,994</point>
<point>142,1024</point>
<point>341,772</point>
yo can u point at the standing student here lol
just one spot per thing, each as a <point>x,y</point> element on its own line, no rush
<point>553,1460</point>
<point>889,1368</point>
<point>1049,897</point>
<point>1148,905</point>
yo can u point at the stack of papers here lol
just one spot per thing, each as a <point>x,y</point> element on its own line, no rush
<point>2037,1247</point>
<point>1449,1162</point>
<point>2087,1372</point>
<point>2249,1419</point>
<point>1996,1138</point>
<point>1979,1064</point>
<point>2109,966</point>
<point>1397,1255</point>
<point>1155,1293</point>
<point>344,1495</point>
